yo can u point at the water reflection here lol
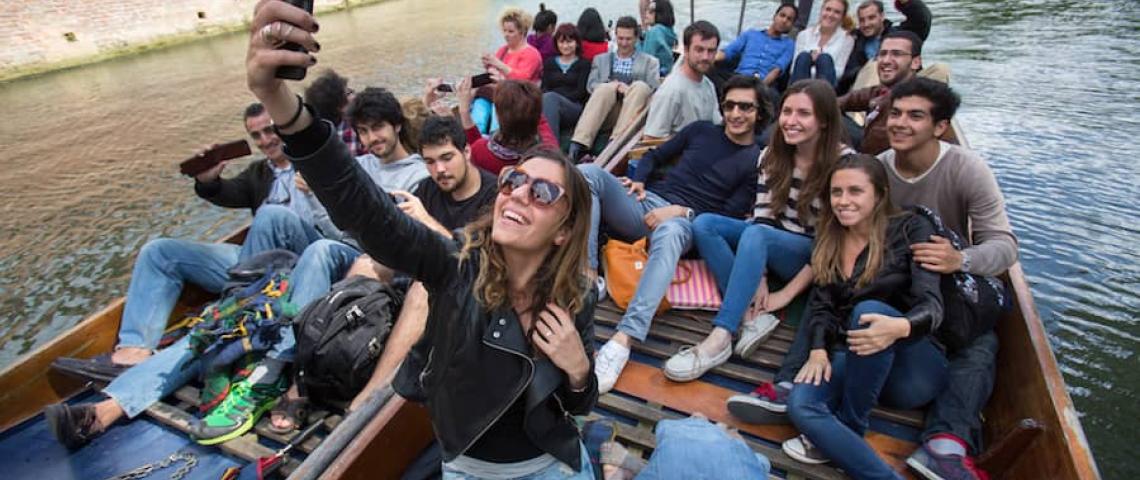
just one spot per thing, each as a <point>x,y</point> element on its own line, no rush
<point>87,171</point>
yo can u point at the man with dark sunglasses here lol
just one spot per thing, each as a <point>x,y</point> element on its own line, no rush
<point>716,172</point>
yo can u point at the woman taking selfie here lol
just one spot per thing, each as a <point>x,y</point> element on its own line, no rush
<point>506,356</point>
<point>873,315</point>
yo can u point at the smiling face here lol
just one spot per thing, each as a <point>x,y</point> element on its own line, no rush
<point>626,39</point>
<point>832,14</point>
<point>798,122</point>
<point>740,111</point>
<point>512,34</point>
<point>870,20</point>
<point>567,47</point>
<point>896,63</point>
<point>380,138</point>
<point>520,222</point>
<point>852,197</point>
<point>260,129</point>
<point>911,125</point>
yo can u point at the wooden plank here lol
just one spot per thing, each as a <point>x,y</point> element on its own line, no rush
<point>387,445</point>
<point>648,383</point>
<point>1037,392</point>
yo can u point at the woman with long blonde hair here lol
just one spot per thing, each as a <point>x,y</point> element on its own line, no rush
<point>506,358</point>
<point>873,317</point>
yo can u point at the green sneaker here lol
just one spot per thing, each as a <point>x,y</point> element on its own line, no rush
<point>239,412</point>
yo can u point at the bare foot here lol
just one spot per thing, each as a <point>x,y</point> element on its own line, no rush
<point>278,419</point>
<point>613,472</point>
<point>107,412</point>
<point>130,355</point>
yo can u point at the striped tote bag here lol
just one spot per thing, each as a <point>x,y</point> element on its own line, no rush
<point>693,287</point>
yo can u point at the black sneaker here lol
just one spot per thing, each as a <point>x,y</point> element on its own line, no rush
<point>73,426</point>
<point>577,151</point>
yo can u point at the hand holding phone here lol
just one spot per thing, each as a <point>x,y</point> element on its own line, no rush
<point>291,72</point>
<point>206,161</point>
<point>481,80</point>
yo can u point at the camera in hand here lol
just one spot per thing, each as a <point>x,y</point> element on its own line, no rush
<point>290,72</point>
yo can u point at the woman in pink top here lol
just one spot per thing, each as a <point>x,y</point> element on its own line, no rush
<point>517,60</point>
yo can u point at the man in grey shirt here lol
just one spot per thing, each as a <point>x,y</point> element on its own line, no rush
<point>688,94</point>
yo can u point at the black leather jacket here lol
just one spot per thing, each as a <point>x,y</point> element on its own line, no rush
<point>472,364</point>
<point>901,283</point>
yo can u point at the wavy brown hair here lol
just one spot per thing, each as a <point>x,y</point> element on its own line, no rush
<point>780,160</point>
<point>562,278</point>
<point>827,254</point>
<point>519,106</point>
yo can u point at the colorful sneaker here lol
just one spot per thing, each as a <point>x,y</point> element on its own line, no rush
<point>766,405</point>
<point>239,412</point>
<point>609,363</point>
<point>801,450</point>
<point>753,333</point>
<point>934,466</point>
<point>216,384</point>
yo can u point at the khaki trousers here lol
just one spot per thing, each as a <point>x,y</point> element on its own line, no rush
<point>607,109</point>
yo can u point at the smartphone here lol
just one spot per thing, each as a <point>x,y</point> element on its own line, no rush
<point>481,80</point>
<point>444,87</point>
<point>292,72</point>
<point>210,158</point>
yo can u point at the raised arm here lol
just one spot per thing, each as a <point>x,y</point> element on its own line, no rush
<point>237,192</point>
<point>352,199</point>
<point>918,17</point>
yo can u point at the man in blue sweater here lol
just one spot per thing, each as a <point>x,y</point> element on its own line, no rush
<point>716,172</point>
<point>764,53</point>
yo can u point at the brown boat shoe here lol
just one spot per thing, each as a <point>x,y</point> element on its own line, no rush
<point>73,426</point>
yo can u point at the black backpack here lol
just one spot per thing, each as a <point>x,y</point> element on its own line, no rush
<point>340,338</point>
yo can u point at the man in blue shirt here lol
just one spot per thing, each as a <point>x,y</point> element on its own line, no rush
<point>764,53</point>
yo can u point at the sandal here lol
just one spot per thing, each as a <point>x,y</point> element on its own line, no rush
<point>293,410</point>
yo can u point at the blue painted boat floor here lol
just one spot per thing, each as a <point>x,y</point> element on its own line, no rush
<point>30,451</point>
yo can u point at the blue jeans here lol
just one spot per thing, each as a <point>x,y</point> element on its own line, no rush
<point>560,111</point>
<point>484,115</point>
<point>624,216</point>
<point>142,385</point>
<point>556,471</point>
<point>958,408</point>
<point>824,68</point>
<point>694,448</point>
<point>622,213</point>
<point>835,414</point>
<point>322,264</point>
<point>164,265</point>
<point>758,248</point>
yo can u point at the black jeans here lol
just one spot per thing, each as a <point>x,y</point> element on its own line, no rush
<point>958,409</point>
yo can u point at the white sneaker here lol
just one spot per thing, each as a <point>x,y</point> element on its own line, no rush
<point>801,450</point>
<point>609,363</point>
<point>753,333</point>
<point>600,282</point>
<point>690,363</point>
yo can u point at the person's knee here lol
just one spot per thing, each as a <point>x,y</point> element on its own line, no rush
<point>804,407</point>
<point>824,59</point>
<point>638,89</point>
<point>674,234</point>
<point>754,238</point>
<point>272,216</point>
<point>705,224</point>
<point>155,252</point>
<point>866,307</point>
<point>604,91</point>
<point>593,174</point>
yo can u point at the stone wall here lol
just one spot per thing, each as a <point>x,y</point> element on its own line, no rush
<point>40,35</point>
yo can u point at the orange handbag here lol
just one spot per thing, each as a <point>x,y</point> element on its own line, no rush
<point>623,264</point>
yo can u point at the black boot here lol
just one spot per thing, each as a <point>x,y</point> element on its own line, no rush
<point>577,151</point>
<point>73,426</point>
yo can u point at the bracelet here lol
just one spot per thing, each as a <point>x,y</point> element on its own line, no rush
<point>296,116</point>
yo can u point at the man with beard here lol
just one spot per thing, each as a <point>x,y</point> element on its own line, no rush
<point>687,95</point>
<point>900,58</point>
<point>383,129</point>
<point>874,27</point>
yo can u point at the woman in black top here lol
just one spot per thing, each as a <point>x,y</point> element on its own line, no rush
<point>871,317</point>
<point>564,80</point>
<point>506,356</point>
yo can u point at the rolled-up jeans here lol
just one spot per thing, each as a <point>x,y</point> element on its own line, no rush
<point>740,253</point>
<point>164,265</point>
<point>834,415</point>
<point>694,448</point>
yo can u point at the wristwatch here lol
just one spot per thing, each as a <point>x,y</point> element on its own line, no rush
<point>690,214</point>
<point>965,261</point>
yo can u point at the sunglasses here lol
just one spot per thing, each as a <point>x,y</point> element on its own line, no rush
<point>543,192</point>
<point>746,107</point>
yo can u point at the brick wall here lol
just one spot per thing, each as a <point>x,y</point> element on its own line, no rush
<point>36,32</point>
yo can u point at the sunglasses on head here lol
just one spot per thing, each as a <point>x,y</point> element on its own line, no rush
<point>746,107</point>
<point>543,192</point>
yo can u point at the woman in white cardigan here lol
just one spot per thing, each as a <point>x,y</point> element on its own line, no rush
<point>822,49</point>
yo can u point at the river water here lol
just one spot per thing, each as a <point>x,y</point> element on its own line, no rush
<point>1051,89</point>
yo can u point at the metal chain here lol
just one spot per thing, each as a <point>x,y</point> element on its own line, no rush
<point>145,470</point>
